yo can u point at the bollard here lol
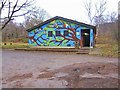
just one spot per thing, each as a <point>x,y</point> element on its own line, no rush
<point>76,44</point>
<point>5,43</point>
<point>10,43</point>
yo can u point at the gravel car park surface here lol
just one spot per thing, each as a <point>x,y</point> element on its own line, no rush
<point>38,69</point>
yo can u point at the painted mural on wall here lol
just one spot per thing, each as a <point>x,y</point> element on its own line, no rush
<point>56,33</point>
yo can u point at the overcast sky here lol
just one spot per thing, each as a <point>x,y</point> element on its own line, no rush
<point>73,9</point>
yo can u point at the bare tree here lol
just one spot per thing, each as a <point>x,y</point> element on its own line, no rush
<point>13,31</point>
<point>88,8</point>
<point>39,14</point>
<point>100,9</point>
<point>113,20</point>
<point>10,9</point>
<point>111,17</point>
<point>95,11</point>
<point>35,17</point>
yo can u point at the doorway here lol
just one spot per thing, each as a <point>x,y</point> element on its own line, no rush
<point>85,34</point>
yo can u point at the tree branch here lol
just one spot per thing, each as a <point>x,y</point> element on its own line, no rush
<point>12,9</point>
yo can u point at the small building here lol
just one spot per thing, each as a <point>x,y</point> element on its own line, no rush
<point>63,32</point>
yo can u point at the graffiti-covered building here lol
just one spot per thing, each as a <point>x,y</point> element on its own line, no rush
<point>63,32</point>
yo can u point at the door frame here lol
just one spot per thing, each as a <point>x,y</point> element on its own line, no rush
<point>83,31</point>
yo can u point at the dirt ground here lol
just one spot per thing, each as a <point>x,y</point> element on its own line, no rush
<point>33,69</point>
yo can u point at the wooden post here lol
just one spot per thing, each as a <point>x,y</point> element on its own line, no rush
<point>76,45</point>
<point>81,43</point>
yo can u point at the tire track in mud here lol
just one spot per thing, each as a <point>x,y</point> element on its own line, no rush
<point>79,75</point>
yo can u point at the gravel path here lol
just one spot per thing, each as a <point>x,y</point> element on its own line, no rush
<point>17,63</point>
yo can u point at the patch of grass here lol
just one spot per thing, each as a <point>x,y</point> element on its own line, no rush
<point>109,50</point>
<point>14,45</point>
<point>17,40</point>
<point>107,46</point>
<point>105,40</point>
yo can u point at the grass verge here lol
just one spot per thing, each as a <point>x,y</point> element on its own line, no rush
<point>108,50</point>
<point>14,45</point>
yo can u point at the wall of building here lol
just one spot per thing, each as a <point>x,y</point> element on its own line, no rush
<point>42,36</point>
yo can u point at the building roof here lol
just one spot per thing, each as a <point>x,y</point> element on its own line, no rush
<point>62,18</point>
